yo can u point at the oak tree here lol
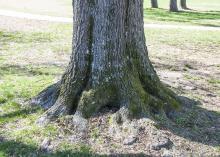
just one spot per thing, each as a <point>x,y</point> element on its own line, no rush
<point>109,66</point>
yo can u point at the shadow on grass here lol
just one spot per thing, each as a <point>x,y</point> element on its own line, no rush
<point>13,148</point>
<point>194,123</point>
<point>183,16</point>
<point>20,113</point>
<point>23,112</point>
<point>19,37</point>
<point>210,25</point>
<point>25,70</point>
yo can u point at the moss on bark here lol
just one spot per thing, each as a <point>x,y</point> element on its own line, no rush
<point>109,65</point>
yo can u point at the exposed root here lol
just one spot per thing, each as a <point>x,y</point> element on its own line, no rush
<point>109,67</point>
<point>47,97</point>
<point>74,123</point>
<point>133,99</point>
<point>57,110</point>
<point>121,116</point>
<point>88,104</point>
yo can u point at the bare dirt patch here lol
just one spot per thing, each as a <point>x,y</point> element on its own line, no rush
<point>190,70</point>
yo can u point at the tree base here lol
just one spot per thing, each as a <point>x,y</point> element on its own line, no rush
<point>109,66</point>
<point>134,102</point>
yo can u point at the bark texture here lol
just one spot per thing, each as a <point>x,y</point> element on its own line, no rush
<point>154,4</point>
<point>173,6</point>
<point>183,4</point>
<point>109,65</point>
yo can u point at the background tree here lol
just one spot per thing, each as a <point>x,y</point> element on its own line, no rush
<point>109,66</point>
<point>154,4</point>
<point>183,4</point>
<point>173,6</point>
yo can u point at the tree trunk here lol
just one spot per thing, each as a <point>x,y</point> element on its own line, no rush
<point>154,4</point>
<point>183,4</point>
<point>173,6</point>
<point>109,65</point>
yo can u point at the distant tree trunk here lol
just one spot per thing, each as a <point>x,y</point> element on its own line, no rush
<point>109,65</point>
<point>183,4</point>
<point>154,4</point>
<point>173,6</point>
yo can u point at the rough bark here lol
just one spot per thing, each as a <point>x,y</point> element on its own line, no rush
<point>109,65</point>
<point>154,4</point>
<point>183,4</point>
<point>173,6</point>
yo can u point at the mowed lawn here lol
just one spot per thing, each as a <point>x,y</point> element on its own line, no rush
<point>34,54</point>
<point>204,5</point>
<point>205,12</point>
<point>49,7</point>
<point>63,7</point>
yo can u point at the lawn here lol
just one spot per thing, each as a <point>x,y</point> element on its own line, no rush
<point>205,12</point>
<point>204,5</point>
<point>31,59</point>
<point>163,16</point>
<point>34,54</point>
<point>48,7</point>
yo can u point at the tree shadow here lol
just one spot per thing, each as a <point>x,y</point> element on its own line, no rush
<point>14,148</point>
<point>18,37</point>
<point>193,122</point>
<point>29,71</point>
<point>17,113</point>
<point>210,25</point>
<point>4,118</point>
<point>187,16</point>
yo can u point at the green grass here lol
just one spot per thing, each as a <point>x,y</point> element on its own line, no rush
<point>24,72</point>
<point>64,7</point>
<point>208,18</point>
<point>49,7</point>
<point>24,134</point>
<point>181,38</point>
<point>205,12</point>
<point>22,77</point>
<point>207,5</point>
<point>214,81</point>
<point>14,148</point>
<point>18,37</point>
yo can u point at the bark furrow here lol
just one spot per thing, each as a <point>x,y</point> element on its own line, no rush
<point>109,65</point>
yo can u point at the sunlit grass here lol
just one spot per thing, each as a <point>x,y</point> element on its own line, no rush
<point>205,5</point>
<point>22,79</point>
<point>211,18</point>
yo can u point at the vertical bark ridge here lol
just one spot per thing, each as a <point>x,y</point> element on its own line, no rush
<point>77,74</point>
<point>110,64</point>
<point>155,92</point>
<point>86,81</point>
<point>107,56</point>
